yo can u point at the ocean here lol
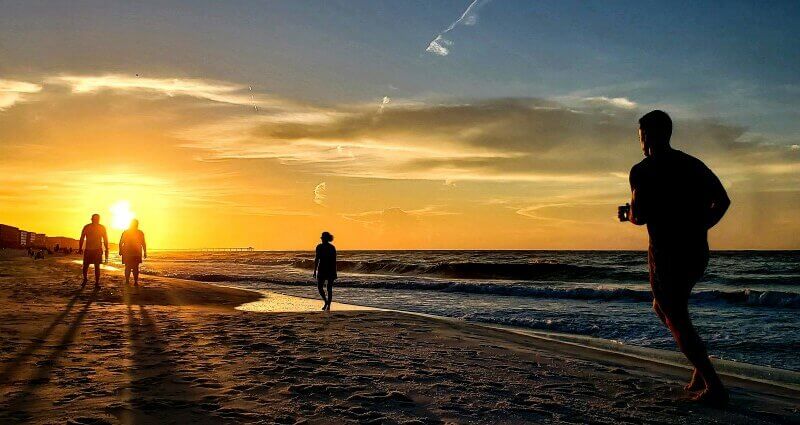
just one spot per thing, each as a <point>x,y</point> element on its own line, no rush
<point>747,307</point>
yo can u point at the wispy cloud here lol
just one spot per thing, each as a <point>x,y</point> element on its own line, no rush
<point>384,102</point>
<point>12,92</point>
<point>440,45</point>
<point>617,102</point>
<point>518,139</point>
<point>395,214</point>
<point>216,91</point>
<point>319,193</point>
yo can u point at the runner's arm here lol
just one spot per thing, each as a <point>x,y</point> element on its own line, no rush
<point>105,241</point>
<point>80,243</point>
<point>637,213</point>
<point>144,246</point>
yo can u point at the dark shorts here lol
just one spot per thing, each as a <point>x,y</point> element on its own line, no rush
<point>131,260</point>
<point>673,273</point>
<point>92,256</point>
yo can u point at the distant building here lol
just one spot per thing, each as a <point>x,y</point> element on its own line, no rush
<point>9,236</point>
<point>31,242</point>
<point>40,240</point>
<point>13,238</point>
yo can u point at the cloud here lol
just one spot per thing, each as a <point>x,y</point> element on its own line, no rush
<point>587,140</point>
<point>569,212</point>
<point>384,102</point>
<point>215,91</point>
<point>441,46</point>
<point>617,102</point>
<point>397,216</point>
<point>507,139</point>
<point>12,92</point>
<point>319,193</point>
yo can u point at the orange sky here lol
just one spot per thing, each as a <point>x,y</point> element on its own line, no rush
<point>207,163</point>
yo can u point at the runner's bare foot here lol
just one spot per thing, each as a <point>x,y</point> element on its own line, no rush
<point>696,383</point>
<point>715,398</point>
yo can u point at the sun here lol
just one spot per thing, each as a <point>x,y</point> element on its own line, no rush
<point>121,215</point>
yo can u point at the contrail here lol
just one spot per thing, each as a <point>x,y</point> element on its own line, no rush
<point>440,45</point>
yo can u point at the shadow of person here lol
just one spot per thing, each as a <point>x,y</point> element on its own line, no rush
<point>18,404</point>
<point>158,390</point>
<point>13,366</point>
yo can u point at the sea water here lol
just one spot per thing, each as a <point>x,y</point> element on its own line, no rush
<point>747,307</point>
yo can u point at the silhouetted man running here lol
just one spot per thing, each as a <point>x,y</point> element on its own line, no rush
<point>679,199</point>
<point>96,238</point>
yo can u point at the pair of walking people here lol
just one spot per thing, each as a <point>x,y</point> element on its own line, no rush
<point>132,248</point>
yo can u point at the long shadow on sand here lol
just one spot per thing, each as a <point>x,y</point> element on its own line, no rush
<point>17,405</point>
<point>13,365</point>
<point>159,392</point>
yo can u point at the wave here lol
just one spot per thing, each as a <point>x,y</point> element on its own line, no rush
<point>745,297</point>
<point>500,271</point>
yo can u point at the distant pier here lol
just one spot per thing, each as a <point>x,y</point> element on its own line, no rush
<point>247,249</point>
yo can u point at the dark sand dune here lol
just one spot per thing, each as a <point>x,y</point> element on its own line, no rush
<point>177,352</point>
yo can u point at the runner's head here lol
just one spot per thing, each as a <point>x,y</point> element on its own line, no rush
<point>95,218</point>
<point>134,224</point>
<point>326,237</point>
<point>655,130</point>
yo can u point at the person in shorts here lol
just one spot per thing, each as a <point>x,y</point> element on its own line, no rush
<point>96,238</point>
<point>680,200</point>
<point>133,249</point>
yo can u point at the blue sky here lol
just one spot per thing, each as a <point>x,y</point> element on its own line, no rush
<point>736,60</point>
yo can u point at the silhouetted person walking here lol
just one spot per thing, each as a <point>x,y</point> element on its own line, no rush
<point>325,268</point>
<point>679,199</point>
<point>96,239</point>
<point>132,248</point>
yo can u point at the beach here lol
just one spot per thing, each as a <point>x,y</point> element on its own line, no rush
<point>179,351</point>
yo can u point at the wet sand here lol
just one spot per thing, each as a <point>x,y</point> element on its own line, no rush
<point>180,352</point>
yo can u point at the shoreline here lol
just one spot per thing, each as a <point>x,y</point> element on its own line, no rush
<point>781,379</point>
<point>674,361</point>
<point>181,351</point>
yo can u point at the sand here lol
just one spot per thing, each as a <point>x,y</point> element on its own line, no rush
<point>180,352</point>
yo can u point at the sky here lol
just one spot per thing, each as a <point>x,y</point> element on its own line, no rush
<point>394,125</point>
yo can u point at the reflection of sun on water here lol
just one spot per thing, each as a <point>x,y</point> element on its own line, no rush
<point>121,215</point>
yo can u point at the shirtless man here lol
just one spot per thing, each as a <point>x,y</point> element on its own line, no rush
<point>679,199</point>
<point>96,239</point>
